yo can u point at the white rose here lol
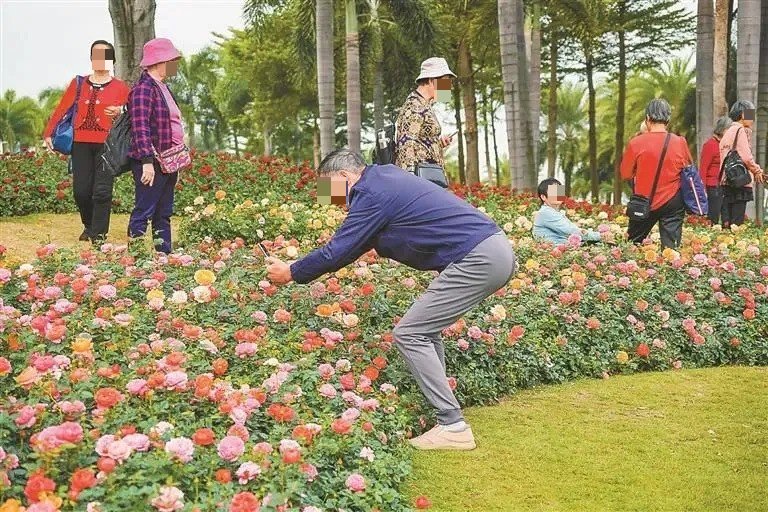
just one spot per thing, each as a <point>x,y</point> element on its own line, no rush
<point>179,297</point>
<point>291,251</point>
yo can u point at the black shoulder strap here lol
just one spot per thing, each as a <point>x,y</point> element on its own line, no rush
<point>658,169</point>
<point>733,148</point>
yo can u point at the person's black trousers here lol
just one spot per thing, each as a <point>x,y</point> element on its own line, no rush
<point>715,202</point>
<point>670,218</point>
<point>734,213</point>
<point>92,188</point>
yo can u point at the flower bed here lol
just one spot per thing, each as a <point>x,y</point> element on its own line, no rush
<point>31,183</point>
<point>190,383</point>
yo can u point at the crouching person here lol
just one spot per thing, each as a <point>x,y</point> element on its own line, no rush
<point>415,222</point>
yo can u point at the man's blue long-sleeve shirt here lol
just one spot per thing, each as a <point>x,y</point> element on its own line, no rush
<point>402,217</point>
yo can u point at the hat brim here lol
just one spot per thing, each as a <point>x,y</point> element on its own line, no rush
<point>148,63</point>
<point>432,75</point>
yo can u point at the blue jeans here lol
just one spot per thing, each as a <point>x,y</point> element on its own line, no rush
<point>153,203</point>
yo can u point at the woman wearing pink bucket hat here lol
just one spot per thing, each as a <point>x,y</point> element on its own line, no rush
<point>156,132</point>
<point>418,129</point>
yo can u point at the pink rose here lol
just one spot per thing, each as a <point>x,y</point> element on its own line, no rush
<point>475,333</point>
<point>370,405</point>
<point>326,371</point>
<point>169,500</point>
<point>243,350</point>
<point>43,506</point>
<point>176,380</point>
<point>263,448</point>
<point>107,291</point>
<point>137,387</point>
<point>70,432</point>
<point>26,417</point>
<point>5,366</point>
<point>327,390</point>
<point>180,448</point>
<point>350,414</point>
<point>138,442</point>
<point>5,275</point>
<point>72,408</point>
<point>260,317</point>
<point>462,344</point>
<point>247,472</point>
<point>52,292</point>
<point>231,448</point>
<point>356,482</point>
<point>102,444</point>
<point>119,450</point>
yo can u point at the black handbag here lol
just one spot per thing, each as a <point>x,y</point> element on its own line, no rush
<point>431,172</point>
<point>639,207</point>
<point>736,173</point>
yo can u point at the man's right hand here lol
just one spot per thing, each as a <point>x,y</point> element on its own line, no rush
<point>148,174</point>
<point>49,143</point>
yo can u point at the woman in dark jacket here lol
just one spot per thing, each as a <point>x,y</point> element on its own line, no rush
<point>155,127</point>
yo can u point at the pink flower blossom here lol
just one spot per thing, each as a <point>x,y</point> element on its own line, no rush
<point>355,482</point>
<point>107,291</point>
<point>247,472</point>
<point>328,391</point>
<point>370,405</point>
<point>176,381</point>
<point>102,444</point>
<point>71,408</point>
<point>26,418</point>
<point>243,350</point>
<point>119,450</point>
<point>137,442</point>
<point>180,448</point>
<point>326,371</point>
<point>169,500</point>
<point>231,448</point>
<point>137,386</point>
<point>474,332</point>
<point>260,317</point>
<point>350,414</point>
<point>462,344</point>
<point>263,448</point>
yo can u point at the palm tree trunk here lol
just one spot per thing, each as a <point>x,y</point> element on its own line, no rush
<point>620,108</point>
<point>748,60</point>
<point>378,71</point>
<point>495,143</point>
<point>325,78</point>
<point>459,130</point>
<point>535,84</point>
<point>486,136</point>
<point>467,80</point>
<point>593,178</point>
<point>267,141</point>
<point>133,24</point>
<point>234,137</point>
<point>353,78</point>
<point>761,131</point>
<point>705,47</point>
<point>720,54</point>
<point>552,110</point>
<point>316,146</point>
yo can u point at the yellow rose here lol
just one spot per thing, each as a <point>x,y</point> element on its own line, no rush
<point>342,273</point>
<point>27,377</point>
<point>622,357</point>
<point>220,194</point>
<point>209,210</point>
<point>350,320</point>
<point>11,505</point>
<point>247,203</point>
<point>47,497</point>
<point>531,264</point>
<point>670,254</point>
<point>291,251</point>
<point>82,345</point>
<point>317,223</point>
<point>650,256</point>
<point>516,284</point>
<point>155,294</point>
<point>205,277</point>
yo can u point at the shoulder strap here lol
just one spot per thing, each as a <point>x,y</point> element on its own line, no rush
<point>658,169</point>
<point>79,81</point>
<point>733,148</point>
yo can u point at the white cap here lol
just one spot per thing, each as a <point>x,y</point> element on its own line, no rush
<point>435,67</point>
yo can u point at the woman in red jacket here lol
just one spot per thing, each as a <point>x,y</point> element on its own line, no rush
<point>709,168</point>
<point>101,99</point>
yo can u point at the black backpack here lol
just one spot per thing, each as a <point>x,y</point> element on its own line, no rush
<point>736,174</point>
<point>384,152</point>
<point>117,145</point>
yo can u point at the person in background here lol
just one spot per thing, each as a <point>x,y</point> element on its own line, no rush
<point>709,168</point>
<point>641,160</point>
<point>101,99</point>
<point>155,127</point>
<point>550,222</point>
<point>735,200</point>
<point>417,127</point>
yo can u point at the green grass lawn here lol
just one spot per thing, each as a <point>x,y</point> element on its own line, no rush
<point>677,441</point>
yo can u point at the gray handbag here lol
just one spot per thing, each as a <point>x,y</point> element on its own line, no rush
<point>431,172</point>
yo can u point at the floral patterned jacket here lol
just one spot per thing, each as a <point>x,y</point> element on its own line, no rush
<point>418,133</point>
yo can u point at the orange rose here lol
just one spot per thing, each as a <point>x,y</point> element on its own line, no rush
<point>203,437</point>
<point>220,366</point>
<point>107,397</point>
<point>223,476</point>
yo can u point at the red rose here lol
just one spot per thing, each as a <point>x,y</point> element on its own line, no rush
<point>422,503</point>
<point>244,502</point>
<point>38,483</point>
<point>203,437</point>
<point>341,426</point>
<point>107,397</point>
<point>643,350</point>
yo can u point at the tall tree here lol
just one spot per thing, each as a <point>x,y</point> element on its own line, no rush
<point>467,82</point>
<point>514,71</point>
<point>622,104</point>
<point>535,80</point>
<point>325,74</point>
<point>762,119</point>
<point>21,121</point>
<point>705,48</point>
<point>133,24</point>
<point>721,44</point>
<point>354,106</point>
<point>748,58</point>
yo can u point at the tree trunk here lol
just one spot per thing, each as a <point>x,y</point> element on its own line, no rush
<point>748,60</point>
<point>459,131</point>
<point>593,178</point>
<point>486,136</point>
<point>527,170</point>
<point>495,144</point>
<point>325,78</point>
<point>535,84</point>
<point>316,146</point>
<point>133,24</point>
<point>267,141</point>
<point>720,54</point>
<point>237,146</point>
<point>467,81</point>
<point>353,79</point>
<point>378,72</point>
<point>620,109</point>
<point>761,130</point>
<point>705,100</point>
<point>552,110</point>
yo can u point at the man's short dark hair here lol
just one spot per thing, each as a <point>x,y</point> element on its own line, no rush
<point>543,189</point>
<point>341,160</point>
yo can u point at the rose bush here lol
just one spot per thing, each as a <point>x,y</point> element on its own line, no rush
<point>189,382</point>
